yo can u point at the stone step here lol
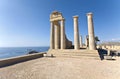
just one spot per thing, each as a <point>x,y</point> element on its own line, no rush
<point>81,57</point>
<point>75,53</point>
<point>77,56</point>
<point>83,53</point>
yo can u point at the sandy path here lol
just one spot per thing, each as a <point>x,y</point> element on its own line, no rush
<point>63,68</point>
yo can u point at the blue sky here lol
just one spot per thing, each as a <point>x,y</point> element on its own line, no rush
<point>26,22</point>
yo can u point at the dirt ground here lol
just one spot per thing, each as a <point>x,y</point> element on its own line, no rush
<point>63,68</point>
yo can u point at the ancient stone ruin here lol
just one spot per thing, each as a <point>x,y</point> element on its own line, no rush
<point>58,39</point>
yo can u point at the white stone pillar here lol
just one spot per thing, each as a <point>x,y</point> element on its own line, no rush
<point>56,36</point>
<point>76,33</point>
<point>86,41</point>
<point>81,44</point>
<point>52,36</point>
<point>63,41</point>
<point>91,32</point>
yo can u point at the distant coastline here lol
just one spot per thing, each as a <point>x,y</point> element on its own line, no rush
<point>7,52</point>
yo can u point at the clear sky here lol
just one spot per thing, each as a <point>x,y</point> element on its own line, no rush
<point>26,22</point>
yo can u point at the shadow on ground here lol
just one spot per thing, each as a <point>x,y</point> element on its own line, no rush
<point>102,52</point>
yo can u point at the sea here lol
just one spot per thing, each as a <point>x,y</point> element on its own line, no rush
<point>8,52</point>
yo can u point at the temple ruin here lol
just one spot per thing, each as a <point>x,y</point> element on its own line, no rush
<point>61,46</point>
<point>58,39</point>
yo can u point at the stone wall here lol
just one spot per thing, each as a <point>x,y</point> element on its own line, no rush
<point>14,60</point>
<point>112,47</point>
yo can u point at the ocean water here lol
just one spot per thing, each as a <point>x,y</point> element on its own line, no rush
<point>7,52</point>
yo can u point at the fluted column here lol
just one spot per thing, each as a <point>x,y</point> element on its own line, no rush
<point>57,42</point>
<point>52,36</point>
<point>63,42</point>
<point>76,33</point>
<point>91,32</point>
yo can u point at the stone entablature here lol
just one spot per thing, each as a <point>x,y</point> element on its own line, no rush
<point>56,16</point>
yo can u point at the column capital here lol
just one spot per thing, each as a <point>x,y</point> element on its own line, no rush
<point>89,14</point>
<point>76,16</point>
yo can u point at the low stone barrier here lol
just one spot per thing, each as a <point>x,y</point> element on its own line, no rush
<point>18,59</point>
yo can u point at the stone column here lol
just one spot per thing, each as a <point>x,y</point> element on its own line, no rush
<point>52,36</point>
<point>86,41</point>
<point>76,33</point>
<point>81,41</point>
<point>91,32</point>
<point>56,36</point>
<point>63,41</point>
